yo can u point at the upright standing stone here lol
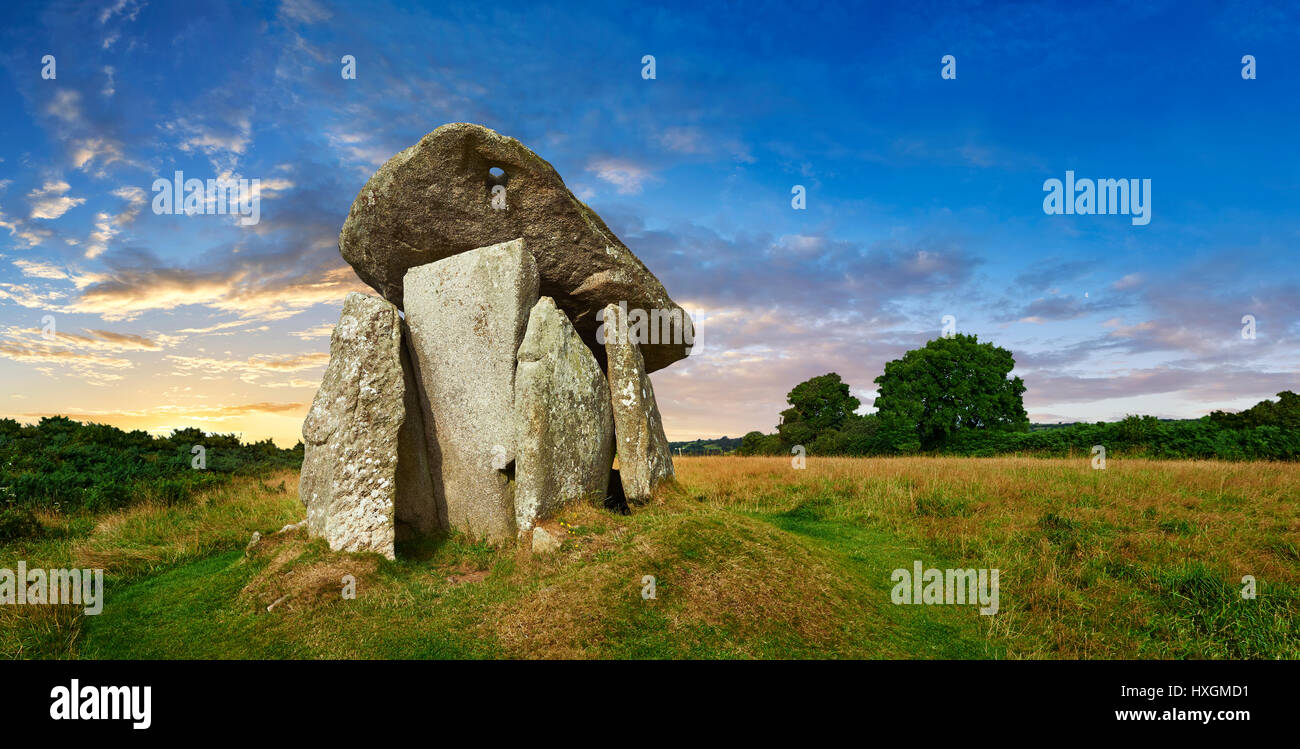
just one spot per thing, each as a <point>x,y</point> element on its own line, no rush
<point>644,458</point>
<point>466,315</point>
<point>361,469</point>
<point>564,422</point>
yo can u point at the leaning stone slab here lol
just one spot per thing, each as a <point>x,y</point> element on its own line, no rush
<point>439,198</point>
<point>644,458</point>
<point>361,469</point>
<point>466,315</point>
<point>564,424</point>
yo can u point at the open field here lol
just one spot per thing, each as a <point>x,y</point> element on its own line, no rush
<point>752,559</point>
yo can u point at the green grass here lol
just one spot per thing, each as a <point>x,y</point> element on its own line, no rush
<point>916,631</point>
<point>750,558</point>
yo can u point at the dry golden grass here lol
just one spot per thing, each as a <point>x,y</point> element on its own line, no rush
<point>300,575</point>
<point>753,559</point>
<point>1075,546</point>
<point>1236,509</point>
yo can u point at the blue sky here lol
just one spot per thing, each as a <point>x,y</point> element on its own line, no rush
<point>924,195</point>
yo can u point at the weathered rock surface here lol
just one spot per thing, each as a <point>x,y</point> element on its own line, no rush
<point>435,200</point>
<point>466,315</point>
<point>644,458</point>
<point>544,542</point>
<point>564,422</point>
<point>361,469</point>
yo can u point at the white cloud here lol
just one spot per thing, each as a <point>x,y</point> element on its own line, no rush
<point>626,176</point>
<point>51,201</point>
<point>26,296</point>
<point>250,369</point>
<point>320,331</point>
<point>128,294</point>
<point>232,137</point>
<point>108,225</point>
<point>358,150</point>
<point>95,150</point>
<point>693,141</point>
<point>303,11</point>
<point>125,8</point>
<point>270,188</point>
<point>1128,282</point>
<point>52,272</point>
<point>40,269</point>
<point>66,105</point>
<point>683,140</point>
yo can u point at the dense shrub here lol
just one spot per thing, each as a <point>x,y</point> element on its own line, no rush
<point>64,465</point>
<point>1138,435</point>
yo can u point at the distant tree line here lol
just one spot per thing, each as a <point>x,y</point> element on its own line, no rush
<point>955,396</point>
<point>718,446</point>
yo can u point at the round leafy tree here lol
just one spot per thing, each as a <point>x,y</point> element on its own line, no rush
<point>948,385</point>
<point>817,406</point>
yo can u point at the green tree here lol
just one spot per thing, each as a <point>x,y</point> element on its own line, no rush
<point>1284,413</point>
<point>751,444</point>
<point>772,444</point>
<point>817,406</point>
<point>951,384</point>
<point>859,435</point>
